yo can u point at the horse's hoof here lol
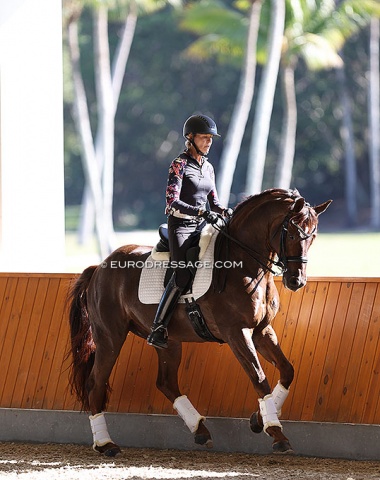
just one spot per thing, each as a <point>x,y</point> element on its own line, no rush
<point>112,452</point>
<point>282,448</point>
<point>202,436</point>
<point>204,440</point>
<point>256,427</point>
<point>108,450</point>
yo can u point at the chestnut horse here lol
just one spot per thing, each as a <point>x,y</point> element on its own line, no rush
<point>273,229</point>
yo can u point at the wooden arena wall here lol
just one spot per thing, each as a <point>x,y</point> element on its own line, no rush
<point>329,330</point>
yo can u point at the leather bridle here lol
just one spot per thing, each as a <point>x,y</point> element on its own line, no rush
<point>283,259</point>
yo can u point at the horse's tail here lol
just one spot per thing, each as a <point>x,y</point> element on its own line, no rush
<point>82,343</point>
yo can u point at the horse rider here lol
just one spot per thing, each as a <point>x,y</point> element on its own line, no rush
<point>191,202</point>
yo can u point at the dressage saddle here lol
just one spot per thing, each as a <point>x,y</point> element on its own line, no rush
<point>193,310</point>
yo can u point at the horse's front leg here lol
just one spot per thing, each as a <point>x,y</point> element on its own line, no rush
<point>167,382</point>
<point>267,345</point>
<point>245,351</point>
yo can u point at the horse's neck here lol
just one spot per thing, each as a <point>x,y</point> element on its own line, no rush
<point>253,228</point>
<point>250,227</point>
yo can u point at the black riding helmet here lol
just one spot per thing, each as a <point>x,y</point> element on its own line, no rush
<point>199,124</point>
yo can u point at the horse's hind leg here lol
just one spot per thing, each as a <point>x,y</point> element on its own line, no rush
<point>267,345</point>
<point>167,382</point>
<point>106,355</point>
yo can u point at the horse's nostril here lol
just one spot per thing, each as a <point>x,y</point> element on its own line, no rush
<point>295,282</point>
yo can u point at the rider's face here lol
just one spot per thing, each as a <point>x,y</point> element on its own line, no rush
<point>203,141</point>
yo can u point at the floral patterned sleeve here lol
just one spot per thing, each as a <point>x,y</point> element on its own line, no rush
<point>173,190</point>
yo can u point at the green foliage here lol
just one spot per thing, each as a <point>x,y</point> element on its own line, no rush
<point>161,89</point>
<point>317,30</point>
<point>163,86</point>
<point>221,30</point>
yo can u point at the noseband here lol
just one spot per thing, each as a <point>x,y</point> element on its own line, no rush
<point>283,259</point>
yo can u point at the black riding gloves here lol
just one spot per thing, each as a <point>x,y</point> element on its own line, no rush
<point>210,217</point>
<point>227,212</point>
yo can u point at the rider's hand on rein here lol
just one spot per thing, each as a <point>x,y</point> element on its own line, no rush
<point>210,217</point>
<point>227,212</point>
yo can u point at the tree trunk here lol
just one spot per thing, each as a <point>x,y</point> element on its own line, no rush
<point>374,122</point>
<point>259,140</point>
<point>120,60</point>
<point>241,109</point>
<point>347,134</point>
<point>83,127</point>
<point>284,169</point>
<point>106,116</point>
<point>122,52</point>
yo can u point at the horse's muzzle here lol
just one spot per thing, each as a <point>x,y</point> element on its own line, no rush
<point>294,282</point>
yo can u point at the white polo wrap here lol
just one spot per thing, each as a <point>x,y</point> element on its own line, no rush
<point>99,430</point>
<point>268,412</point>
<point>188,413</point>
<point>279,395</point>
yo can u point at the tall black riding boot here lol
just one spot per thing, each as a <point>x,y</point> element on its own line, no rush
<point>159,336</point>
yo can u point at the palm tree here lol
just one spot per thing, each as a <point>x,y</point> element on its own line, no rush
<point>299,41</point>
<point>265,100</point>
<point>72,11</point>
<point>316,32</point>
<point>98,154</point>
<point>350,17</point>
<point>241,110</point>
<point>223,31</point>
<point>108,79</point>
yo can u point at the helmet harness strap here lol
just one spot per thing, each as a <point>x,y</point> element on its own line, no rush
<point>194,145</point>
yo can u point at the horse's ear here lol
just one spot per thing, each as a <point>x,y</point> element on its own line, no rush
<point>298,204</point>
<point>322,208</point>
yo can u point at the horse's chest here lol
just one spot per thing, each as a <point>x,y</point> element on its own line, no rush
<point>254,288</point>
<point>257,293</point>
